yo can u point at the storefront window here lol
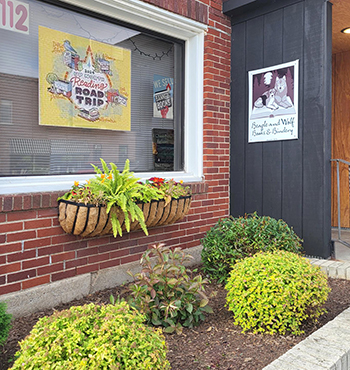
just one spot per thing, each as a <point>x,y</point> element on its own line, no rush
<point>38,140</point>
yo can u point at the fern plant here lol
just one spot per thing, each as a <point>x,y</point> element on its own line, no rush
<point>111,188</point>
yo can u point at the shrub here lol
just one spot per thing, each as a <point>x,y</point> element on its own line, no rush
<point>276,292</point>
<point>93,337</point>
<point>5,323</point>
<point>166,292</point>
<point>233,239</point>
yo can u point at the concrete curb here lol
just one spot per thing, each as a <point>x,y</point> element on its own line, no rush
<point>329,347</point>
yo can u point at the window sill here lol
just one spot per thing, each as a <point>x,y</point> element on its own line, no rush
<point>30,184</point>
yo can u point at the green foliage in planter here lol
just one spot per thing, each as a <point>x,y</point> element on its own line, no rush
<point>5,323</point>
<point>93,337</point>
<point>232,239</point>
<point>166,292</point>
<point>114,188</point>
<point>276,292</point>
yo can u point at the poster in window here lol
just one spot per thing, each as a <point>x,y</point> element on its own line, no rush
<point>273,103</point>
<point>163,94</point>
<point>83,83</point>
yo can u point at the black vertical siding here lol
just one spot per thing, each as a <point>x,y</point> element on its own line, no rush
<point>285,179</point>
<point>292,170</point>
<point>254,152</point>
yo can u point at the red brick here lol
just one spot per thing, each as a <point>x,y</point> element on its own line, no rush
<point>109,263</point>
<point>10,288</point>
<point>36,201</point>
<point>63,256</point>
<point>2,260</point>
<point>2,217</point>
<point>135,257</point>
<point>22,215</point>
<point>50,250</point>
<point>50,231</point>
<point>64,238</point>
<point>17,203</point>
<point>37,224</point>
<point>87,252</point>
<point>78,244</point>
<point>37,243</point>
<point>86,269</point>
<point>35,262</point>
<point>11,226</point>
<point>10,248</point>
<point>139,249</point>
<point>21,256</point>
<point>45,200</point>
<point>100,241</point>
<point>76,263</point>
<point>98,258</point>
<point>63,275</point>
<point>119,253</point>
<point>24,235</point>
<point>35,282</point>
<point>27,202</point>
<point>10,267</point>
<point>50,269</point>
<point>44,213</point>
<point>22,275</point>
<point>7,205</point>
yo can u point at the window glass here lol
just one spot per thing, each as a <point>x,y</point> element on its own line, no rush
<point>155,141</point>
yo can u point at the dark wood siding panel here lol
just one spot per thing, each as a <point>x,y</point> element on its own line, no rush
<point>272,151</point>
<point>238,115</point>
<point>288,179</point>
<point>292,170</point>
<point>314,141</point>
<point>254,153</point>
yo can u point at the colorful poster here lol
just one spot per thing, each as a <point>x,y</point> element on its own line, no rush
<point>273,103</point>
<point>83,83</point>
<point>163,94</point>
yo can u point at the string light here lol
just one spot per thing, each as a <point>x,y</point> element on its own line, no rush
<point>154,56</point>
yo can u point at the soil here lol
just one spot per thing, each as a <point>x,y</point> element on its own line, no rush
<point>215,344</point>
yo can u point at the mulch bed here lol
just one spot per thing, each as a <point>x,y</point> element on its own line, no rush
<point>215,344</point>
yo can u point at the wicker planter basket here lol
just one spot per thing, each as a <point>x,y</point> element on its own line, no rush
<point>90,220</point>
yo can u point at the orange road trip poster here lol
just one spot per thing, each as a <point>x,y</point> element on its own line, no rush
<point>83,83</point>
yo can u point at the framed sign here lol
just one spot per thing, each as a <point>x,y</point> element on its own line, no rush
<point>163,97</point>
<point>273,103</point>
<point>83,83</point>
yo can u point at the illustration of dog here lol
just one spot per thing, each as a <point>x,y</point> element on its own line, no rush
<point>267,99</point>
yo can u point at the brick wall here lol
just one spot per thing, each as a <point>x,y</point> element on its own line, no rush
<point>34,250</point>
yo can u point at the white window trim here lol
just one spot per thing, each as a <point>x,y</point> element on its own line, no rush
<point>159,20</point>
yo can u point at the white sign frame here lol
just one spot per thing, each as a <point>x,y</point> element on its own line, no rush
<point>273,103</point>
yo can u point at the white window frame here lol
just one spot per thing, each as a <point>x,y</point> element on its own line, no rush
<point>156,19</point>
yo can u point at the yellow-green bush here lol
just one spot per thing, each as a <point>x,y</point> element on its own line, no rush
<point>276,292</point>
<point>93,337</point>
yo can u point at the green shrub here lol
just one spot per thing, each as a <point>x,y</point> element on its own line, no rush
<point>276,292</point>
<point>93,337</point>
<point>166,292</point>
<point>5,323</point>
<point>233,239</point>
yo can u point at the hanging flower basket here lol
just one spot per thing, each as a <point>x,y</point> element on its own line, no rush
<point>88,220</point>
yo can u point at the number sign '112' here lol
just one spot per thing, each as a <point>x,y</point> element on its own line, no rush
<point>14,16</point>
